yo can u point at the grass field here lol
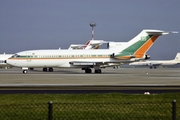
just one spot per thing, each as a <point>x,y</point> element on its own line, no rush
<point>88,106</point>
<point>107,97</point>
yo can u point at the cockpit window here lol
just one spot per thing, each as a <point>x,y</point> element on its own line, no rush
<point>15,56</point>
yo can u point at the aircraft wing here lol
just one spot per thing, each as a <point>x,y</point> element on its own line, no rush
<point>95,63</point>
<point>86,63</point>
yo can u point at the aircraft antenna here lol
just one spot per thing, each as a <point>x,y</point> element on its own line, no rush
<point>92,25</point>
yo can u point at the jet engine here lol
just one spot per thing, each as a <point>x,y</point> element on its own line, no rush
<point>147,57</point>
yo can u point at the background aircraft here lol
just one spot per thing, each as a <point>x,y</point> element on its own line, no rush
<point>134,50</point>
<point>155,63</point>
<point>90,44</point>
<point>3,58</point>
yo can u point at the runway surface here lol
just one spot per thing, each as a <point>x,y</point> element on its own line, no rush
<point>124,79</point>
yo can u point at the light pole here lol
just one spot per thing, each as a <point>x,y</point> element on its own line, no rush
<point>92,25</point>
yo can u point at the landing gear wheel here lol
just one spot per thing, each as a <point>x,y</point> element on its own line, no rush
<point>45,69</point>
<point>88,70</point>
<point>31,68</point>
<point>50,69</point>
<point>97,71</point>
<point>25,71</point>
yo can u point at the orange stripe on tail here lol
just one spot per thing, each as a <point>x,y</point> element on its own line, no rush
<point>143,49</point>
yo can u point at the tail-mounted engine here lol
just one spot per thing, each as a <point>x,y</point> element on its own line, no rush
<point>147,57</point>
<point>112,55</point>
<point>121,56</point>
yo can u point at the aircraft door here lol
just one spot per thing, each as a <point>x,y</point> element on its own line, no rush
<point>84,56</point>
<point>28,57</point>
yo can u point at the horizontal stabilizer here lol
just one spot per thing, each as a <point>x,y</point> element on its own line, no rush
<point>159,32</point>
<point>156,32</point>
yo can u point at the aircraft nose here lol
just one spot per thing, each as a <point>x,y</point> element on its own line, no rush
<point>11,62</point>
<point>8,61</point>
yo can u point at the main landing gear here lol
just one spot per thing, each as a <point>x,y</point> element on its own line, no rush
<point>97,71</point>
<point>46,69</point>
<point>25,70</point>
<point>88,70</point>
<point>151,67</point>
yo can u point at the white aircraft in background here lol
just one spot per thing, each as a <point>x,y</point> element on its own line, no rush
<point>3,58</point>
<point>134,50</point>
<point>90,44</point>
<point>155,63</point>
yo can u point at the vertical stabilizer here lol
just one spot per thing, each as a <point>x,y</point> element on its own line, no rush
<point>87,43</point>
<point>177,58</point>
<point>139,45</point>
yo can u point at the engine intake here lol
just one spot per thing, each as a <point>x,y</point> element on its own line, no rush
<point>147,57</point>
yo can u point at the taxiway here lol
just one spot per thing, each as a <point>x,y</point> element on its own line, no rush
<point>75,79</point>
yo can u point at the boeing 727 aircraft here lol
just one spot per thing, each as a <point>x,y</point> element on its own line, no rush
<point>134,50</point>
<point>155,63</point>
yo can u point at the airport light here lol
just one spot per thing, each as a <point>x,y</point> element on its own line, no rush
<point>92,25</point>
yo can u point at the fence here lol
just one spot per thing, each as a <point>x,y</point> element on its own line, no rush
<point>91,110</point>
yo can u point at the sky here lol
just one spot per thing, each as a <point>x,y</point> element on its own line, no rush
<point>53,24</point>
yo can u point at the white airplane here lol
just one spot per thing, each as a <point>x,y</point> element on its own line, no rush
<point>134,50</point>
<point>155,63</point>
<point>3,58</point>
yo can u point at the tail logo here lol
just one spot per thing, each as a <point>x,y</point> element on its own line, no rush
<point>143,38</point>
